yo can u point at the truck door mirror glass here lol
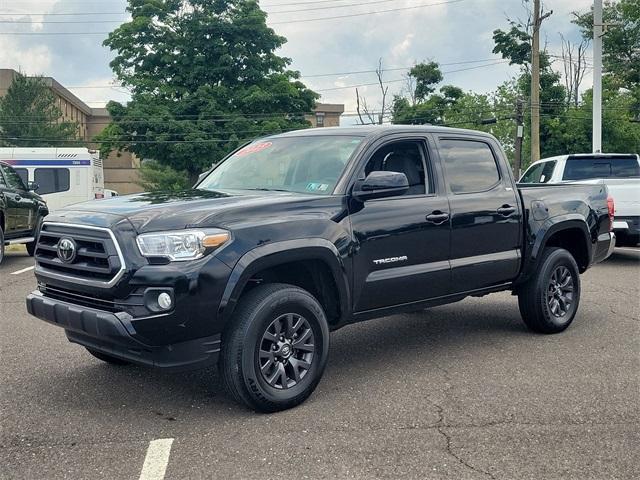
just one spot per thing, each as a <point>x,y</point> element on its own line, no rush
<point>381,184</point>
<point>33,186</point>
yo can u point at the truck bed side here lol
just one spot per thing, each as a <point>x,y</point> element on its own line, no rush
<point>571,216</point>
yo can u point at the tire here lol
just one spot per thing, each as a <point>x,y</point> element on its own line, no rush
<point>31,246</point>
<point>107,358</point>
<point>1,244</point>
<point>549,300</point>
<point>291,373</point>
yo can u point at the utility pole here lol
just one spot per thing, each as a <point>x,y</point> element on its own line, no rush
<point>597,76</point>
<point>517,157</point>
<point>535,81</point>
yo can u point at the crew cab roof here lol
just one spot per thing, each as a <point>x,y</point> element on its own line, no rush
<point>376,130</point>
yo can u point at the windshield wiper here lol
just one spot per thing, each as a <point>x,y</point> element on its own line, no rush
<point>269,190</point>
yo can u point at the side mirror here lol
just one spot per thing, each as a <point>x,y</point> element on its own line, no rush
<point>381,184</point>
<point>32,186</point>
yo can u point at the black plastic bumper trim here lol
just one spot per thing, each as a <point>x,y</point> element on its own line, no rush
<point>111,333</point>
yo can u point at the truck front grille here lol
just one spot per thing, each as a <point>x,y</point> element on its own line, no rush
<point>93,256</point>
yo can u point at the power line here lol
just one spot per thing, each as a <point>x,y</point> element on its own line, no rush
<point>299,10</point>
<point>262,6</point>
<point>317,19</point>
<point>318,75</point>
<point>403,79</point>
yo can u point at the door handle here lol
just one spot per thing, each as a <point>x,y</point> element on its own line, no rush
<point>437,217</point>
<point>506,210</point>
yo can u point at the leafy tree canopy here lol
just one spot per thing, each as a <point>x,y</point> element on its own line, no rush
<point>621,42</point>
<point>29,116</point>
<point>204,78</point>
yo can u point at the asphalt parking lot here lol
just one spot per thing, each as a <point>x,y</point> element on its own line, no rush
<point>460,391</point>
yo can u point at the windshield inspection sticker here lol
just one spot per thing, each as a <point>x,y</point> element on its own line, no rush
<point>317,187</point>
<point>253,148</point>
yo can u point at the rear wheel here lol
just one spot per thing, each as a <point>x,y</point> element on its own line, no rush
<point>549,300</point>
<point>275,348</point>
<point>107,358</point>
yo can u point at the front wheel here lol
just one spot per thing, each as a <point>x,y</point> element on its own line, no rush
<point>275,348</point>
<point>549,300</point>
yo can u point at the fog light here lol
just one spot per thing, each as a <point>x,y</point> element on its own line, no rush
<point>164,301</point>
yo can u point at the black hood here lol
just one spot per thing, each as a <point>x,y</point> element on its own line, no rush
<point>157,211</point>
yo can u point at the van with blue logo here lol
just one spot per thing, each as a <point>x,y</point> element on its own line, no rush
<point>63,176</point>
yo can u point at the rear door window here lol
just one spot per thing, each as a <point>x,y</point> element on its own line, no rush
<point>469,165</point>
<point>52,180</point>
<point>584,168</point>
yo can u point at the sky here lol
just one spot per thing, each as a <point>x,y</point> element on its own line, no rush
<point>451,32</point>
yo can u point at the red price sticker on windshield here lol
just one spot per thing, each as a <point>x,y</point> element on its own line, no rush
<point>253,148</point>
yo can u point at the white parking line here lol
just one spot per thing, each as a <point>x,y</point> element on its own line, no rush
<point>23,270</point>
<point>157,459</point>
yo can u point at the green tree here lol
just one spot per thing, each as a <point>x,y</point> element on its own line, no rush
<point>154,176</point>
<point>424,105</point>
<point>515,46</point>
<point>204,77</point>
<point>29,116</point>
<point>621,46</point>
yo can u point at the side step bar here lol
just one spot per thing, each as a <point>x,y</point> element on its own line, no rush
<point>16,241</point>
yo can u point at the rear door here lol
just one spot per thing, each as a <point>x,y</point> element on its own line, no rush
<point>485,212</point>
<point>401,256</point>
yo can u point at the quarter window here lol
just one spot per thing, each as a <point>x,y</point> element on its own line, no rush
<point>470,165</point>
<point>52,180</point>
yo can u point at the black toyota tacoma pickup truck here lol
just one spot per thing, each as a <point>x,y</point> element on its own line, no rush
<point>21,210</point>
<point>298,234</point>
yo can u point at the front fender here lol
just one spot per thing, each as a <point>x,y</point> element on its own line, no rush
<point>278,253</point>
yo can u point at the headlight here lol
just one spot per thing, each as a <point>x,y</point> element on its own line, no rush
<point>181,245</point>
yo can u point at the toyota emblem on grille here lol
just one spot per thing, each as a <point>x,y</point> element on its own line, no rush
<point>67,250</point>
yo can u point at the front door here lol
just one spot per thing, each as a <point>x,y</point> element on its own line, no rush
<point>402,256</point>
<point>485,213</point>
<point>21,206</point>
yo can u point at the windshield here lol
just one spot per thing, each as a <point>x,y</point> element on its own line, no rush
<point>294,164</point>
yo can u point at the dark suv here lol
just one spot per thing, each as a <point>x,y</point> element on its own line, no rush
<point>21,210</point>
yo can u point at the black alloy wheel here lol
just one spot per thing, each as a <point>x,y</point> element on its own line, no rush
<point>549,300</point>
<point>286,351</point>
<point>274,348</point>
<point>560,291</point>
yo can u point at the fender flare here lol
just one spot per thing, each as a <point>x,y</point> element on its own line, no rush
<point>277,253</point>
<point>549,228</point>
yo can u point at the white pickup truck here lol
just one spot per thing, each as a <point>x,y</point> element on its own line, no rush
<point>619,172</point>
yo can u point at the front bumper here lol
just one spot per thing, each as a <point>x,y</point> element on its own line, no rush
<point>113,334</point>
